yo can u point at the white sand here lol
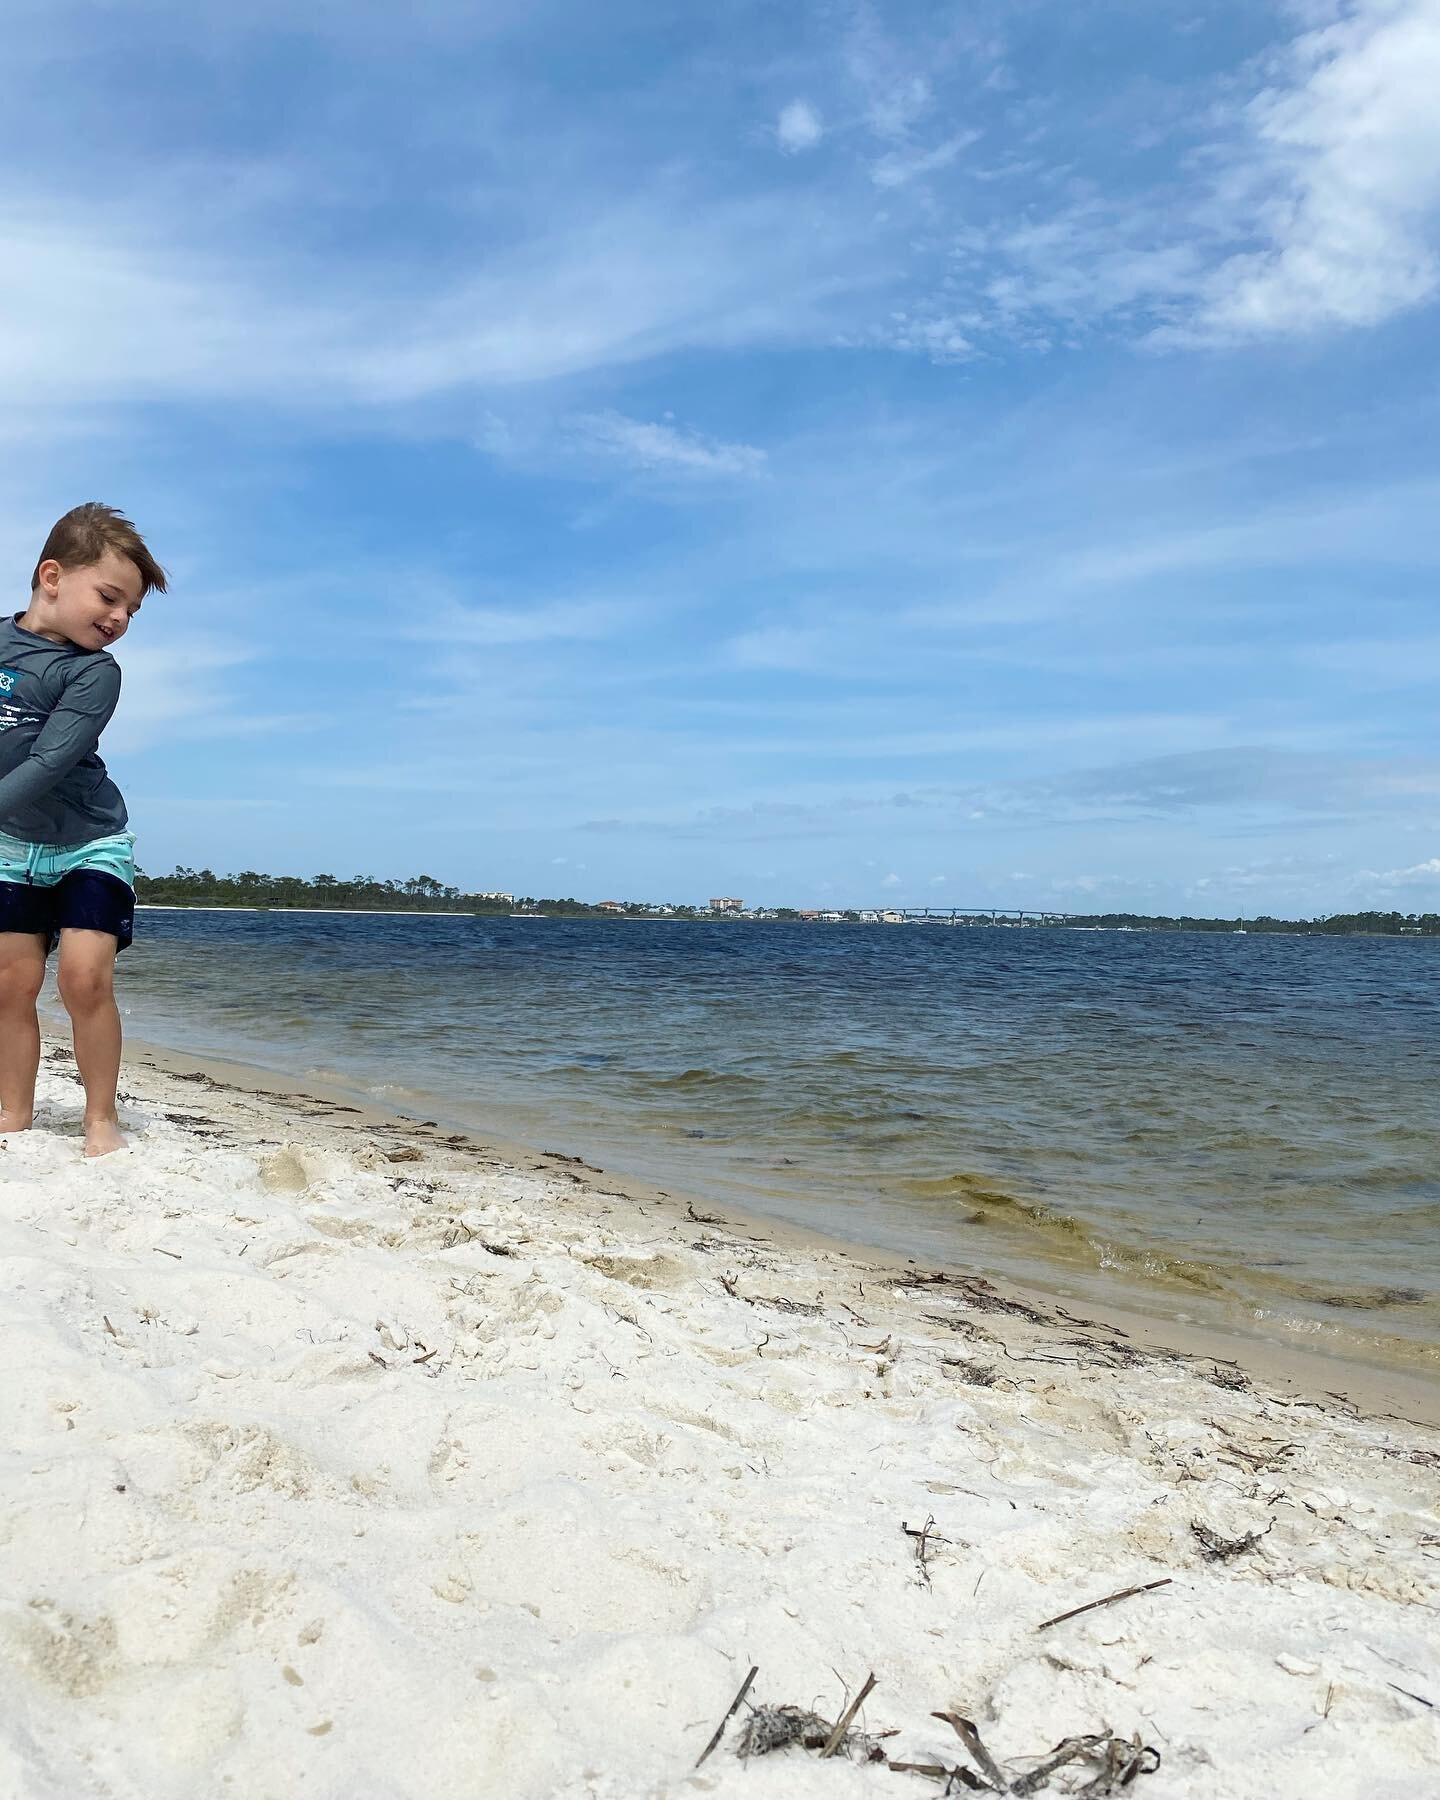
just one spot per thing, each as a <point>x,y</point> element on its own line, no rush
<point>305,1489</point>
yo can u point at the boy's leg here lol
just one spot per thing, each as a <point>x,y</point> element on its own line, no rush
<point>87,987</point>
<point>22,974</point>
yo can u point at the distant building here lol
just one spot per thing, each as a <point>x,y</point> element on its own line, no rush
<point>727,906</point>
<point>612,906</point>
<point>504,899</point>
<point>809,915</point>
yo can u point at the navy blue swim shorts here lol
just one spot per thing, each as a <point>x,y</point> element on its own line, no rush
<point>86,899</point>
<point>45,887</point>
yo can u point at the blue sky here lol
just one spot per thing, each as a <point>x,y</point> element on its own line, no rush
<point>827,452</point>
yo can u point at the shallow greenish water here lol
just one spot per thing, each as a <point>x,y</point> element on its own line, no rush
<point>1212,1125</point>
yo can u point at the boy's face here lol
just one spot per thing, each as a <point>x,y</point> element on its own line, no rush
<point>92,606</point>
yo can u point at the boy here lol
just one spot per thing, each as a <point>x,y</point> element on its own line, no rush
<point>67,863</point>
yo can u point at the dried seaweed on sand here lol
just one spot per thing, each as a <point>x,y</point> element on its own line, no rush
<point>1120,1760</point>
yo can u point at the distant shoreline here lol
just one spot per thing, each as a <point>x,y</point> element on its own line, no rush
<point>1221,929</point>
<point>403,912</point>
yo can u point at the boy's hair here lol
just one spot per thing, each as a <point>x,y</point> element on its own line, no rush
<point>86,532</point>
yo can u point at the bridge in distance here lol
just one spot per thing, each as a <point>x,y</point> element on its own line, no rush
<point>979,915</point>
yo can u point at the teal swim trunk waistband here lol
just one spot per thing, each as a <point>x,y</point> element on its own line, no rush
<point>45,865</point>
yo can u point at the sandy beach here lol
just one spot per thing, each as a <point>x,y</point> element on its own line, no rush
<point>340,1455</point>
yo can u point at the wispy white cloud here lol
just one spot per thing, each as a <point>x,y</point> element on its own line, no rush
<point>1312,204</point>
<point>896,92</point>
<point>663,445</point>
<point>182,691</point>
<point>1258,779</point>
<point>1391,525</point>
<point>1259,785</point>
<point>941,336</point>
<point>105,306</point>
<point>799,127</point>
<point>897,168</point>
<point>1348,142</point>
<point>1422,874</point>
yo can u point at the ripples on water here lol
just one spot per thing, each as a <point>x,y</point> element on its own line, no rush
<point>1233,1121</point>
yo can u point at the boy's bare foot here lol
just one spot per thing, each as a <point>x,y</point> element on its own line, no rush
<point>15,1122</point>
<point>102,1137</point>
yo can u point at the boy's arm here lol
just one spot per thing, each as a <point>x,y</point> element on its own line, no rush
<point>72,731</point>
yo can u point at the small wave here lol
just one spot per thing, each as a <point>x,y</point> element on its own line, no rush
<point>691,1078</point>
<point>1202,1277</point>
<point>971,1187</point>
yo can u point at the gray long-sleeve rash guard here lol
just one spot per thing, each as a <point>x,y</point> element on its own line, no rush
<point>55,700</point>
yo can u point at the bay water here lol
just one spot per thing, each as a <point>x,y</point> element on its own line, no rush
<point>1242,1129</point>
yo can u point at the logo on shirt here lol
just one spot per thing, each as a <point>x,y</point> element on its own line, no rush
<point>8,678</point>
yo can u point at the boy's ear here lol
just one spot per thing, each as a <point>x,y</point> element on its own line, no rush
<point>48,575</point>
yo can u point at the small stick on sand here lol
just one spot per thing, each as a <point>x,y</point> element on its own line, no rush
<point>842,1724</point>
<point>730,1714</point>
<point>1109,1600</point>
<point>922,1544</point>
<point>965,1729</point>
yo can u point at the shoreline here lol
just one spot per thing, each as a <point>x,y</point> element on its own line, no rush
<point>344,1453</point>
<point>397,912</point>
<point>1375,1388</point>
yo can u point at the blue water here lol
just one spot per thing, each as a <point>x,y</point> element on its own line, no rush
<point>1203,1123</point>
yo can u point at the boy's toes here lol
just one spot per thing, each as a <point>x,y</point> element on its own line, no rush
<point>102,1138</point>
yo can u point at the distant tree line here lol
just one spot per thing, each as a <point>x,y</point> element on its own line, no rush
<point>203,887</point>
<point>363,893</point>
<point>423,893</point>
<point>1371,924</point>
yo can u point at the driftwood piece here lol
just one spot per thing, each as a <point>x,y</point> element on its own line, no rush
<point>842,1724</point>
<point>1066,1752</point>
<point>1107,1600</point>
<point>969,1735</point>
<point>731,1710</point>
